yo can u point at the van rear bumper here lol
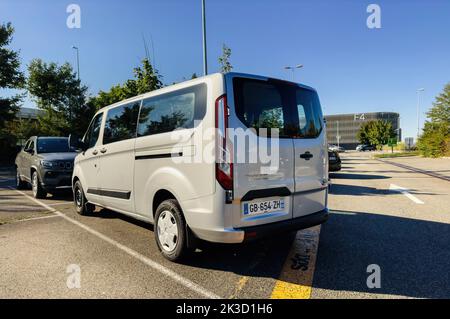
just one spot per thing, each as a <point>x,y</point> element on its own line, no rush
<point>239,235</point>
<point>303,222</point>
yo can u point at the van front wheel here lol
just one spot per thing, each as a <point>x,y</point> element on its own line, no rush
<point>81,204</point>
<point>170,230</point>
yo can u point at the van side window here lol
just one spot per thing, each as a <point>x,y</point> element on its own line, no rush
<point>121,123</point>
<point>171,111</point>
<point>93,131</point>
<point>309,113</point>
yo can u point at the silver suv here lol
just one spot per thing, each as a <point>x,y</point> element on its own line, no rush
<point>46,163</point>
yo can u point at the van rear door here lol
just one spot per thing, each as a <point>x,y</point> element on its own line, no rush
<point>263,165</point>
<point>310,153</point>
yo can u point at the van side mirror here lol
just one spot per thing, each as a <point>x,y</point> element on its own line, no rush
<point>76,143</point>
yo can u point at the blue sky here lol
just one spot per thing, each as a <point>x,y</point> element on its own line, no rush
<point>355,69</point>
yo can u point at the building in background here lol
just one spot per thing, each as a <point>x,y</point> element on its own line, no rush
<point>28,113</point>
<point>342,129</point>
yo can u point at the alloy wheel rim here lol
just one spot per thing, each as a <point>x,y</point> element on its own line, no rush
<point>78,197</point>
<point>167,231</point>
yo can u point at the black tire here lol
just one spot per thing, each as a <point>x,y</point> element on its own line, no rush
<point>38,191</point>
<point>82,206</point>
<point>180,250</point>
<point>20,184</point>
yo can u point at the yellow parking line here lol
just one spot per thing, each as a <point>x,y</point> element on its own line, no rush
<point>295,281</point>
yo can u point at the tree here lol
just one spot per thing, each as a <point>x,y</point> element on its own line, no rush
<point>376,133</point>
<point>435,139</point>
<point>23,128</point>
<point>363,133</point>
<point>10,78</point>
<point>440,112</point>
<point>146,79</point>
<point>224,60</point>
<point>58,92</point>
<point>194,76</point>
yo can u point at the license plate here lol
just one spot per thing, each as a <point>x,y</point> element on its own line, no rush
<point>263,207</point>
<point>332,158</point>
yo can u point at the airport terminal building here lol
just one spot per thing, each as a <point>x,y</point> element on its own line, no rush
<point>343,129</point>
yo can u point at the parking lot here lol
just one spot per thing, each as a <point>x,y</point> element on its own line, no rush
<point>396,217</point>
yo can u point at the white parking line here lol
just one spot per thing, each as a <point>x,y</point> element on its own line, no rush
<point>35,218</point>
<point>60,203</point>
<point>156,266</point>
<point>405,192</point>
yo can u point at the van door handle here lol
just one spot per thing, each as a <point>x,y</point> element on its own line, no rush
<point>95,152</point>
<point>103,150</point>
<point>306,156</point>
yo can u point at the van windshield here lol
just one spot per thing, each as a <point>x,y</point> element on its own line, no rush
<point>273,104</point>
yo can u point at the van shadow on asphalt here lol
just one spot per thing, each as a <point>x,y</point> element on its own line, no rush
<point>262,258</point>
<point>413,255</point>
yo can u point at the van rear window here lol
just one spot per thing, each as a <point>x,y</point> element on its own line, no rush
<point>273,104</point>
<point>310,116</point>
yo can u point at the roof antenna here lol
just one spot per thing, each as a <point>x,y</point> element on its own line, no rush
<point>147,54</point>
<point>153,51</point>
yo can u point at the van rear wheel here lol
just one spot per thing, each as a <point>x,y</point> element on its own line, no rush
<point>170,230</point>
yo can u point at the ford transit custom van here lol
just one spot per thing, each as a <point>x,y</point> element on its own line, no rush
<point>223,158</point>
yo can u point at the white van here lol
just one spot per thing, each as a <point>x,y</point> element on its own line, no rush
<point>149,157</point>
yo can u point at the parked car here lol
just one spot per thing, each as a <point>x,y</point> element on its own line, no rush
<point>334,161</point>
<point>46,163</point>
<point>364,148</point>
<point>336,148</point>
<point>131,161</point>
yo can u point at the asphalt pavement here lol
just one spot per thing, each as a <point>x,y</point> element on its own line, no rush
<point>382,215</point>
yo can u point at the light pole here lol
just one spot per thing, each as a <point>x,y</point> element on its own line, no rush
<point>418,108</point>
<point>78,61</point>
<point>292,68</point>
<point>205,60</point>
<point>338,137</point>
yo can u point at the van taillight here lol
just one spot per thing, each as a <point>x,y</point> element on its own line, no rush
<point>224,165</point>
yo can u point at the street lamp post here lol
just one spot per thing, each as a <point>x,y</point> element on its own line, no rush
<point>205,60</point>
<point>338,137</point>
<point>292,68</point>
<point>78,61</point>
<point>418,108</point>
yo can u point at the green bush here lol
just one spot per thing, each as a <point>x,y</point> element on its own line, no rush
<point>434,140</point>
